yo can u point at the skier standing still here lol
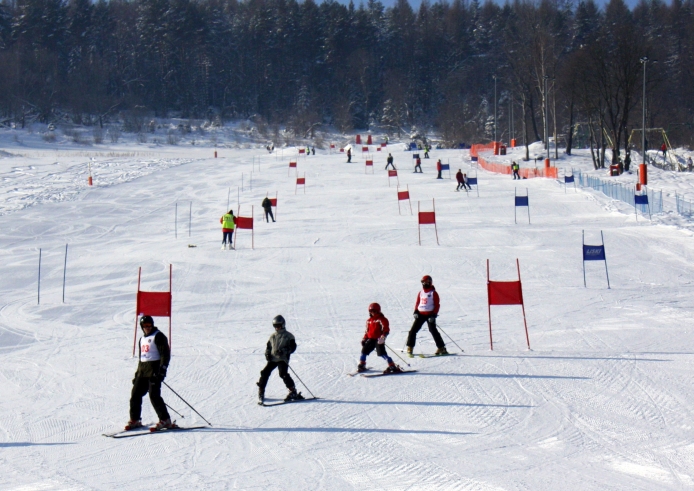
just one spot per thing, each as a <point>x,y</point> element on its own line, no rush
<point>418,165</point>
<point>228,222</point>
<point>389,161</point>
<point>377,328</point>
<point>279,348</point>
<point>154,356</point>
<point>267,206</point>
<point>426,309</point>
<point>439,168</point>
<point>349,155</point>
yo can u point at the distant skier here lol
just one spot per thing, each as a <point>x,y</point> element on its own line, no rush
<point>439,168</point>
<point>349,155</point>
<point>377,328</point>
<point>663,148</point>
<point>389,161</point>
<point>426,309</point>
<point>515,168</point>
<point>228,222</point>
<point>279,348</point>
<point>418,165</point>
<point>426,150</point>
<point>465,182</point>
<point>267,206</point>
<point>313,150</point>
<point>461,180</point>
<point>627,161</point>
<point>154,356</point>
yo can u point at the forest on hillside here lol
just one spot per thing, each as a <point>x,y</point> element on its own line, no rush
<point>306,65</point>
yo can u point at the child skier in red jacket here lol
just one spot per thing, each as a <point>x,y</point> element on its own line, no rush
<point>377,328</point>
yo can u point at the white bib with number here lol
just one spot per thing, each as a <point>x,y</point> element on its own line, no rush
<point>149,350</point>
<point>426,301</point>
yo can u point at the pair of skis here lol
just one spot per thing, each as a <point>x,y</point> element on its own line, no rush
<point>379,374</point>
<point>146,430</point>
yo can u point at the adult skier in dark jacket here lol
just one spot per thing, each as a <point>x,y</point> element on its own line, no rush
<point>154,356</point>
<point>426,309</point>
<point>279,348</point>
<point>267,206</point>
<point>377,328</point>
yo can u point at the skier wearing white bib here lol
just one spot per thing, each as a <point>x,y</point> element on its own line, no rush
<point>154,357</point>
<point>426,309</point>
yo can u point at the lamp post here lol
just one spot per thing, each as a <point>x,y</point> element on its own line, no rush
<point>545,78</point>
<point>643,61</point>
<point>494,77</point>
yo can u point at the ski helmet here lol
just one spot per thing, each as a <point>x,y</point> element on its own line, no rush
<point>278,321</point>
<point>426,279</point>
<point>146,319</point>
<point>374,308</point>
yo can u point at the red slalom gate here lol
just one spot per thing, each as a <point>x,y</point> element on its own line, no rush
<point>427,218</point>
<point>364,149</point>
<point>404,195</point>
<point>393,173</point>
<point>367,164</point>
<point>300,181</point>
<point>244,223</point>
<point>292,165</point>
<point>505,293</point>
<point>156,304</point>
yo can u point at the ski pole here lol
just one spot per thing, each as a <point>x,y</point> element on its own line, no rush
<point>461,349</point>
<point>175,411</point>
<point>302,382</point>
<point>391,349</point>
<point>186,402</point>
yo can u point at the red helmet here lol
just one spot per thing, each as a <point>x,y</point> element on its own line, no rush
<point>427,279</point>
<point>374,308</point>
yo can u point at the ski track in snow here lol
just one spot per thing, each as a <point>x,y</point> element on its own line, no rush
<point>603,400</point>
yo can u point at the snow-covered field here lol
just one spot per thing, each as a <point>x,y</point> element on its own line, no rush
<point>603,400</point>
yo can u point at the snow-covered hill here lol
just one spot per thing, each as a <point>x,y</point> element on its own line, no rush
<point>603,400</point>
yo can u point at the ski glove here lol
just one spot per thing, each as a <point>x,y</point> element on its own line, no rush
<point>382,340</point>
<point>162,374</point>
<point>363,342</point>
<point>416,314</point>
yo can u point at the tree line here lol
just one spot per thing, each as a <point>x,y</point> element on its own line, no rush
<point>305,65</point>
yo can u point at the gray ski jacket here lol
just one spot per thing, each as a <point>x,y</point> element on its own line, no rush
<point>280,346</point>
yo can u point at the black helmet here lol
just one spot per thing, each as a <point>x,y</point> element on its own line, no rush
<point>278,321</point>
<point>146,319</point>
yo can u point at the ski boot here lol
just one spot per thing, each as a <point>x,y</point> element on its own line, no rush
<point>361,367</point>
<point>293,396</point>
<point>165,424</point>
<point>261,394</point>
<point>393,369</point>
<point>441,351</point>
<point>409,352</point>
<point>133,425</point>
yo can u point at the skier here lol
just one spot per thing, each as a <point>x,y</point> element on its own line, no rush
<point>418,165</point>
<point>313,150</point>
<point>267,206</point>
<point>228,222</point>
<point>377,328</point>
<point>426,151</point>
<point>439,167</point>
<point>426,309</point>
<point>515,168</point>
<point>461,180</point>
<point>349,155</point>
<point>465,183</point>
<point>389,161</point>
<point>154,357</point>
<point>627,161</point>
<point>279,348</point>
<point>663,148</point>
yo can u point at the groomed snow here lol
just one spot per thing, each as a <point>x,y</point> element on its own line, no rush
<point>603,400</point>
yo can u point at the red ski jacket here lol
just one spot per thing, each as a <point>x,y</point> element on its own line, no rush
<point>426,302</point>
<point>376,327</point>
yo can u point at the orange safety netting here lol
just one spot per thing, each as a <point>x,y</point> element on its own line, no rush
<point>527,173</point>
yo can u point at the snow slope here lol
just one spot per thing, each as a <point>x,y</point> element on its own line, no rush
<point>603,400</point>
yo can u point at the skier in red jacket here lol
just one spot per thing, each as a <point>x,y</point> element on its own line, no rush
<point>426,309</point>
<point>377,328</point>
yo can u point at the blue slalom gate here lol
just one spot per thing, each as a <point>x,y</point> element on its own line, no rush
<point>521,201</point>
<point>594,253</point>
<point>641,199</point>
<point>569,180</point>
<point>472,181</point>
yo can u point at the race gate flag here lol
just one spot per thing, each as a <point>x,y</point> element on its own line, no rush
<point>594,253</point>
<point>569,180</point>
<point>505,293</point>
<point>393,173</point>
<point>292,165</point>
<point>642,200</point>
<point>244,223</point>
<point>300,181</point>
<point>404,195</point>
<point>367,164</point>
<point>446,167</point>
<point>427,218</point>
<point>472,181</point>
<point>156,304</point>
<point>521,201</point>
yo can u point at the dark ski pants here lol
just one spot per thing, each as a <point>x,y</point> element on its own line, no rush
<point>439,176</point>
<point>461,185</point>
<point>418,167</point>
<point>283,368</point>
<point>368,347</point>
<point>391,164</point>
<point>516,175</point>
<point>268,211</point>
<point>142,385</point>
<point>417,325</point>
<point>225,236</point>
<point>349,158</point>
